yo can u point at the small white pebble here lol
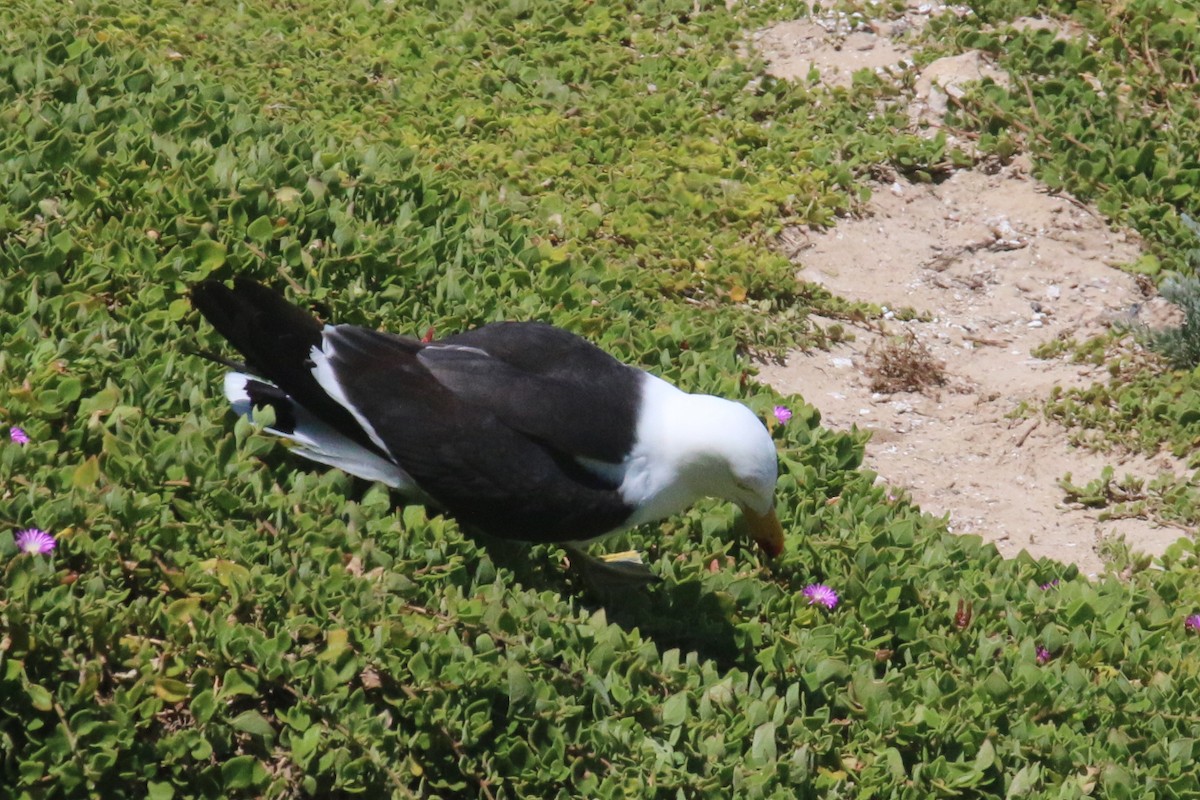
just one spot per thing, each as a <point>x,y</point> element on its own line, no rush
<point>1053,292</point>
<point>1036,323</point>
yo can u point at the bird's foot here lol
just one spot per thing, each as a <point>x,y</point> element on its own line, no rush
<point>613,571</point>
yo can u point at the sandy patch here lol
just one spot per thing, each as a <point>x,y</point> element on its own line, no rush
<point>795,49</point>
<point>837,44</point>
<point>994,266</point>
<point>947,78</point>
<point>1063,30</point>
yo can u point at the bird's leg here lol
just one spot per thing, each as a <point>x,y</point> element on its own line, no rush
<point>623,570</point>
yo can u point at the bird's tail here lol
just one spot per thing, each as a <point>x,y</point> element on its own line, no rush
<point>277,340</point>
<point>274,336</point>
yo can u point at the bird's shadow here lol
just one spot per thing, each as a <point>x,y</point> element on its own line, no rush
<point>683,614</point>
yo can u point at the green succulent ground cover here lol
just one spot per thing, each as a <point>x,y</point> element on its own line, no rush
<point>220,621</point>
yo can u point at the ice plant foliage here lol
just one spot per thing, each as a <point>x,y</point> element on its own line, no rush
<point>822,594</point>
<point>34,541</point>
<point>783,414</point>
<point>17,435</point>
<point>526,644</point>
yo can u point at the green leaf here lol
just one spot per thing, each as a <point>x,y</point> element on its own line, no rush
<point>520,688</point>
<point>171,690</point>
<point>675,709</point>
<point>104,400</point>
<point>208,255</point>
<point>1116,780</point>
<point>763,747</point>
<point>1024,781</point>
<point>238,682</point>
<point>229,574</point>
<point>69,389</point>
<point>986,756</point>
<point>253,722</point>
<point>156,790</point>
<point>204,706</point>
<point>261,230</point>
<point>39,697</point>
<point>336,643</point>
<point>996,684</point>
<point>307,742</point>
<point>182,610</point>
<point>86,474</point>
<point>242,772</point>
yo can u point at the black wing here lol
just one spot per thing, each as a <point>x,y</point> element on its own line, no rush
<point>470,450</point>
<point>544,382</point>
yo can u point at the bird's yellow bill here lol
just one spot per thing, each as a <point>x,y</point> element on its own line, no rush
<point>765,530</point>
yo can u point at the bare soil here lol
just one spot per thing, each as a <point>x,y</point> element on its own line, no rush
<point>994,265</point>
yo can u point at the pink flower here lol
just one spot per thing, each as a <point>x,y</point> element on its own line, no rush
<point>783,414</point>
<point>1192,623</point>
<point>1043,655</point>
<point>1048,586</point>
<point>822,594</point>
<point>34,541</point>
<point>17,435</point>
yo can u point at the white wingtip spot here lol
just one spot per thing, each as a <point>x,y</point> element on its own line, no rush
<point>235,392</point>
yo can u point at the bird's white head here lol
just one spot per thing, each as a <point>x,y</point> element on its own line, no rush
<point>734,453</point>
<point>712,447</point>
